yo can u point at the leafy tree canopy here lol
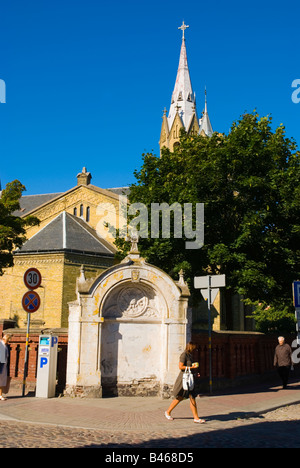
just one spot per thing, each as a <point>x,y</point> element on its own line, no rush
<point>249,182</point>
<point>12,228</point>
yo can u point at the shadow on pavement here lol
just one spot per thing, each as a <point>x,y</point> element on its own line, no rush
<point>262,435</point>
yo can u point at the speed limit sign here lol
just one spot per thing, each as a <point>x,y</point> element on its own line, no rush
<point>32,278</point>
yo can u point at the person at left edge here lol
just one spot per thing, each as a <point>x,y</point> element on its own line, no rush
<point>4,366</point>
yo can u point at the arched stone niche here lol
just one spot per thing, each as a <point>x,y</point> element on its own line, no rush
<point>126,331</point>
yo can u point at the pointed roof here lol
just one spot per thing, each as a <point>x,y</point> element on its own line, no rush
<point>183,97</point>
<point>67,233</point>
<point>205,125</point>
<point>165,132</point>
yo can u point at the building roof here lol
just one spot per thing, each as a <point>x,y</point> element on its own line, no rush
<point>67,233</point>
<point>29,203</point>
<point>123,191</point>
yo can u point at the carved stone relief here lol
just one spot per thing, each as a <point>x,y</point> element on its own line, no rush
<point>132,301</point>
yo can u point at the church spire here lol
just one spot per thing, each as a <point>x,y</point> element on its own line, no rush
<point>183,96</point>
<point>205,125</point>
<point>182,112</point>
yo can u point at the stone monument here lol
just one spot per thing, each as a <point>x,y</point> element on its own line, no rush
<point>127,329</point>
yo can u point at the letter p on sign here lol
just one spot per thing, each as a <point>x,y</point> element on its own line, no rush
<point>54,341</point>
<point>44,361</point>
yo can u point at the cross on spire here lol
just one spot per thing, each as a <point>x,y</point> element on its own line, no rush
<point>183,28</point>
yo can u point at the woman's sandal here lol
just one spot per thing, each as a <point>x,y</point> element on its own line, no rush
<point>199,421</point>
<point>2,398</point>
<point>168,416</point>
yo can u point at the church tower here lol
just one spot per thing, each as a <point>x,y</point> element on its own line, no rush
<point>183,112</point>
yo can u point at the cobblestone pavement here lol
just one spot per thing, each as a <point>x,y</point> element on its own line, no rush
<point>279,428</point>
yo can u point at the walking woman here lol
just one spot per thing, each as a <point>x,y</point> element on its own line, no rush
<point>4,366</point>
<point>179,393</point>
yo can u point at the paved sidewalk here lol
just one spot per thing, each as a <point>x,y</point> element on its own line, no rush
<point>138,413</point>
<point>139,422</point>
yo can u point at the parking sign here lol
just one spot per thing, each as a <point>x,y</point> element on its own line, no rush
<point>31,302</point>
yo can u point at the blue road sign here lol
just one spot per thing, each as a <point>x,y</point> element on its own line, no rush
<point>296,293</point>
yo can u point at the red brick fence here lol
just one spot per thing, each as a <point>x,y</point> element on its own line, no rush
<point>235,356</point>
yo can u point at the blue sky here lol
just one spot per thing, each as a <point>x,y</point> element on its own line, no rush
<point>87,81</point>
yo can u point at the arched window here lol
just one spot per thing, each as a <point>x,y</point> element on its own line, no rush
<point>75,212</point>
<point>81,211</point>
<point>87,214</point>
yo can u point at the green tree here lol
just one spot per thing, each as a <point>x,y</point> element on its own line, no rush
<point>12,228</point>
<point>249,182</point>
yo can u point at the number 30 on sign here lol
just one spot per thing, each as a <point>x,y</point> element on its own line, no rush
<point>32,278</point>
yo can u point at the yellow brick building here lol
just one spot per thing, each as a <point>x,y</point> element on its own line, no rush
<point>71,234</point>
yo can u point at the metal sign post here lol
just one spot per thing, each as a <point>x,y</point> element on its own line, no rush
<point>30,302</point>
<point>26,356</point>
<point>209,286</point>
<point>209,304</point>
